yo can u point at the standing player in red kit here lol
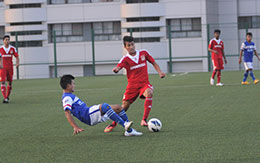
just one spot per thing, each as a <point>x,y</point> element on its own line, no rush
<point>6,69</point>
<point>135,63</point>
<point>216,47</point>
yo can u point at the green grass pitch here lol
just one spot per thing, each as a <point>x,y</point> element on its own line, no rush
<point>201,123</point>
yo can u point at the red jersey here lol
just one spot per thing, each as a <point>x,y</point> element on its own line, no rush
<point>7,56</point>
<point>136,67</point>
<point>217,45</point>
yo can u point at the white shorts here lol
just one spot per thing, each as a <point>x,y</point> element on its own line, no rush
<point>248,65</point>
<point>95,115</point>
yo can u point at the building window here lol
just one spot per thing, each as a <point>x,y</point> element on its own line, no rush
<point>22,33</point>
<point>142,1</point>
<point>78,1</point>
<point>142,19</point>
<point>104,31</point>
<point>23,44</point>
<point>248,22</point>
<point>183,28</point>
<point>144,29</point>
<point>30,5</point>
<point>147,39</point>
<point>26,23</point>
<point>2,33</point>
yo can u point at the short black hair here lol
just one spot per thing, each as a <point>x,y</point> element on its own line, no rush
<point>249,34</point>
<point>6,36</point>
<point>128,39</point>
<point>217,31</point>
<point>65,80</point>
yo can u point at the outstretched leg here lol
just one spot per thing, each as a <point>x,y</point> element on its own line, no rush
<point>120,110</point>
<point>148,94</point>
<point>106,109</point>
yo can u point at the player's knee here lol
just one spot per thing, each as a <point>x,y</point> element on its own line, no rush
<point>125,106</point>
<point>105,107</point>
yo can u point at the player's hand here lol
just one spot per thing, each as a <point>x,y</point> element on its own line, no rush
<point>239,61</point>
<point>77,131</point>
<point>116,69</point>
<point>162,75</point>
<point>216,52</point>
<point>17,65</point>
<point>258,59</point>
<point>225,61</point>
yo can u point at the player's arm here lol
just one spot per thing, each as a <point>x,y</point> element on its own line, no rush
<point>224,56</point>
<point>17,61</point>
<point>1,63</point>
<point>212,51</point>
<point>71,121</point>
<point>116,69</point>
<point>240,56</point>
<point>158,69</point>
<point>256,55</point>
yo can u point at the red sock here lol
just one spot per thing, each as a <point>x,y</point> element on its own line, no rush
<point>9,88</point>
<point>219,76</point>
<point>147,107</point>
<point>213,74</point>
<point>114,123</point>
<point>3,90</point>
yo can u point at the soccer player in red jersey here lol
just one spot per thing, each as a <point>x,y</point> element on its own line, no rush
<point>216,47</point>
<point>135,63</point>
<point>6,69</point>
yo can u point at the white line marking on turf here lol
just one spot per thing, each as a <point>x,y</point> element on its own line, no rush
<point>181,74</point>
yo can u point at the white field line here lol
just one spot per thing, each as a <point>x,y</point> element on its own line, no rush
<point>181,74</point>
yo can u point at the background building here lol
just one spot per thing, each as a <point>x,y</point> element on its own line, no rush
<point>191,23</point>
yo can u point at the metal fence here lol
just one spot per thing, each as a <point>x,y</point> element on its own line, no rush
<point>233,34</point>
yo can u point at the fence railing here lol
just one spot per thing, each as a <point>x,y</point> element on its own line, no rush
<point>233,34</point>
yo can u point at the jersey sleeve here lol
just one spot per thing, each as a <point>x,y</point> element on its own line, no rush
<point>211,44</point>
<point>121,63</point>
<point>67,103</point>
<point>149,58</point>
<point>242,46</point>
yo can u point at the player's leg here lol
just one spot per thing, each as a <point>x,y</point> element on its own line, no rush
<point>125,106</point>
<point>3,87</point>
<point>220,66</point>
<point>111,114</point>
<point>214,72</point>
<point>148,94</point>
<point>10,80</point>
<point>130,96</point>
<point>121,112</point>
<point>244,82</point>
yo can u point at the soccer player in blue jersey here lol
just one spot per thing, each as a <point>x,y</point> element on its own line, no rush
<point>92,115</point>
<point>249,49</point>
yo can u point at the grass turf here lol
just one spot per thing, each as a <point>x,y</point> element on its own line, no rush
<point>201,123</point>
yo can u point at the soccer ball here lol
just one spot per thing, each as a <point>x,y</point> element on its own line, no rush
<point>154,125</point>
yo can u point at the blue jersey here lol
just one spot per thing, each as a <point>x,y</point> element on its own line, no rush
<point>77,107</point>
<point>248,48</point>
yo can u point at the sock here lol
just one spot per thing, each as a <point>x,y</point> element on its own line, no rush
<point>3,90</point>
<point>252,75</point>
<point>9,88</point>
<point>213,74</point>
<point>245,76</point>
<point>123,115</point>
<point>112,115</point>
<point>219,76</point>
<point>147,107</point>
